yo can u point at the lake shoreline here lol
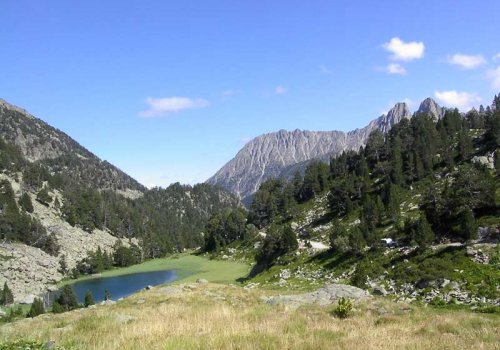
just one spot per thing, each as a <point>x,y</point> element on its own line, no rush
<point>187,267</point>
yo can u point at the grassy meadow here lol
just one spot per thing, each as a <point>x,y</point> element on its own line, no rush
<point>215,316</point>
<point>187,266</point>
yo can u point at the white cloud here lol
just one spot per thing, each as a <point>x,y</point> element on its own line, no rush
<point>461,100</point>
<point>466,61</point>
<point>324,69</point>
<point>395,68</point>
<point>280,90</point>
<point>404,51</point>
<point>496,58</point>
<point>494,75</point>
<point>163,106</point>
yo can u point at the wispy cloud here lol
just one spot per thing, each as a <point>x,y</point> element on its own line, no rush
<point>494,76</point>
<point>496,58</point>
<point>404,51</point>
<point>461,100</point>
<point>324,69</point>
<point>280,90</point>
<point>229,93</point>
<point>394,68</point>
<point>159,107</point>
<point>466,61</point>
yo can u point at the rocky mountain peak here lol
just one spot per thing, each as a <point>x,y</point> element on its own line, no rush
<point>430,107</point>
<point>386,121</point>
<point>398,112</point>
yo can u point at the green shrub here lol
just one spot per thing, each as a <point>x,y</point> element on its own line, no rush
<point>37,308</point>
<point>437,302</point>
<point>57,308</point>
<point>22,344</point>
<point>89,299</point>
<point>488,309</point>
<point>343,308</point>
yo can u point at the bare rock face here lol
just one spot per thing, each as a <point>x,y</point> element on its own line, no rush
<point>430,107</point>
<point>282,153</point>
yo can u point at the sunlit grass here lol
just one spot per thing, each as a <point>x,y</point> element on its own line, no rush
<point>212,316</point>
<point>188,268</point>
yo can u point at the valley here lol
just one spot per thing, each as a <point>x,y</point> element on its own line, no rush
<point>398,234</point>
<point>194,315</point>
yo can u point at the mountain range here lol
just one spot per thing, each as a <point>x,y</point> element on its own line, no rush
<point>281,154</point>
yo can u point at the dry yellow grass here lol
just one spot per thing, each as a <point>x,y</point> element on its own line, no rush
<point>229,317</point>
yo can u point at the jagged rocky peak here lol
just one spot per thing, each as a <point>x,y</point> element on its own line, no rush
<point>399,111</point>
<point>385,122</point>
<point>430,107</point>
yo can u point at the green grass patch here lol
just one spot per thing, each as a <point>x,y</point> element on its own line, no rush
<point>188,268</point>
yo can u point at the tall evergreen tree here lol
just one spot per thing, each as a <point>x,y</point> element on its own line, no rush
<point>67,299</point>
<point>89,299</point>
<point>468,226</point>
<point>25,203</point>
<point>7,296</point>
<point>37,308</point>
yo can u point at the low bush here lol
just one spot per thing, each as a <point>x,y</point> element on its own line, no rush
<point>343,308</point>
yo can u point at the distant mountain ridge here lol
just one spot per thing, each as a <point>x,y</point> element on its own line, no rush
<point>280,154</point>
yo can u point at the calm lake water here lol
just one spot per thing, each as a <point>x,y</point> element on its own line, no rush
<point>121,286</point>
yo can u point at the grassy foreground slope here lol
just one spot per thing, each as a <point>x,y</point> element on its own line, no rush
<point>215,316</point>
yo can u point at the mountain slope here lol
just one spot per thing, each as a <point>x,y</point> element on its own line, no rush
<point>40,142</point>
<point>280,153</point>
<point>58,199</point>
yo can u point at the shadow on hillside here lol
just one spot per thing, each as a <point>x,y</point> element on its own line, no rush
<point>323,220</point>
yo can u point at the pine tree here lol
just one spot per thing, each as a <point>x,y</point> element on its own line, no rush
<point>356,240</point>
<point>289,239</point>
<point>393,202</point>
<point>63,266</point>
<point>67,299</point>
<point>7,296</point>
<point>397,161</point>
<point>57,308</point>
<point>37,308</point>
<point>468,226</point>
<point>423,232</point>
<point>43,196</point>
<point>89,299</point>
<point>25,203</point>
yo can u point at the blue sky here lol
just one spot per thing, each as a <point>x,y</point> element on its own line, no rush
<point>171,90</point>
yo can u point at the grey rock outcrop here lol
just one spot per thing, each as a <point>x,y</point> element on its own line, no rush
<point>430,107</point>
<point>282,153</point>
<point>327,295</point>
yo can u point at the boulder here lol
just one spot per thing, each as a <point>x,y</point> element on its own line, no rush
<point>201,281</point>
<point>28,299</point>
<point>327,295</point>
<point>379,290</point>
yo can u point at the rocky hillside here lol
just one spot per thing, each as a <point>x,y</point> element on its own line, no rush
<point>58,199</point>
<point>40,142</point>
<point>414,214</point>
<point>29,270</point>
<point>282,153</point>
